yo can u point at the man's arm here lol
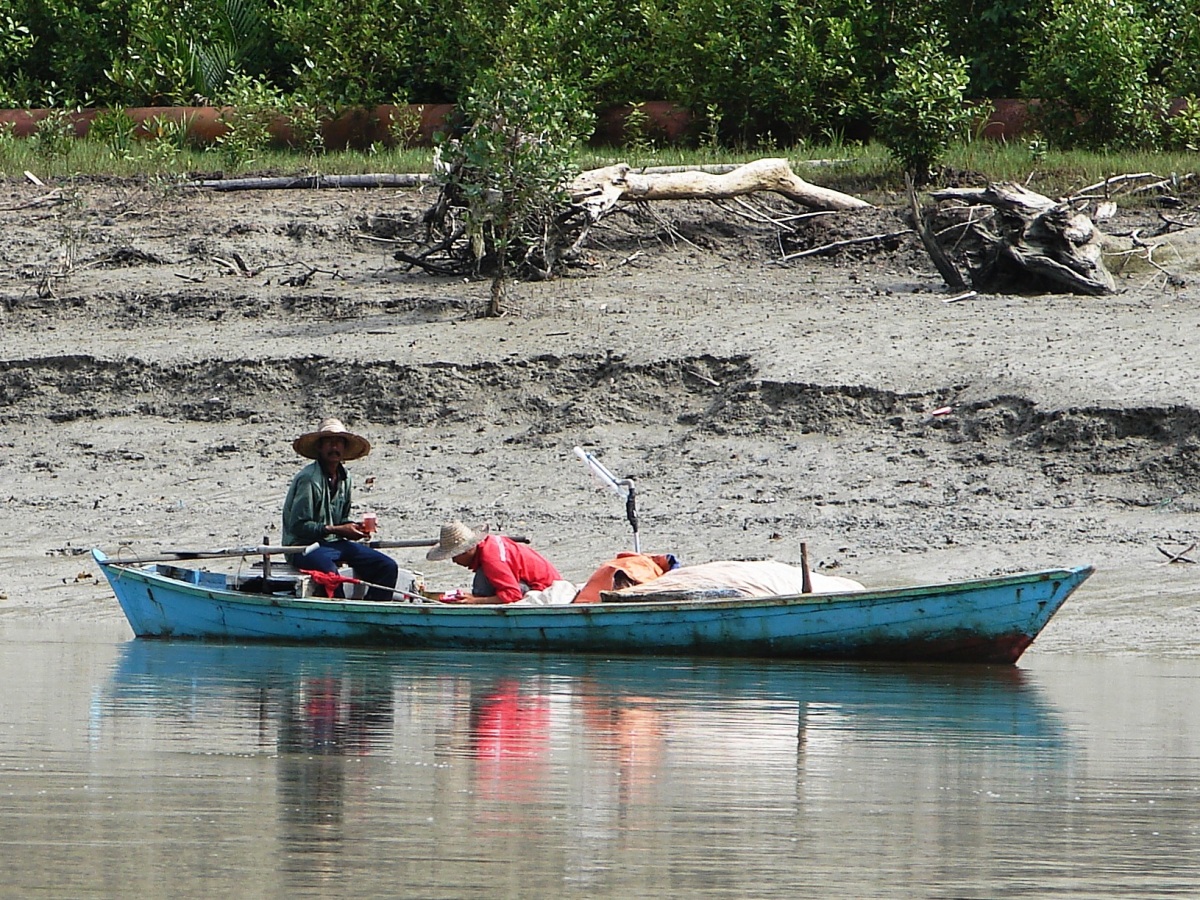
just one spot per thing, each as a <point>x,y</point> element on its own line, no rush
<point>300,513</point>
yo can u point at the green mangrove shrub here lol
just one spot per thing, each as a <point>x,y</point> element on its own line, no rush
<point>509,168</point>
<point>923,107</point>
<point>1089,70</point>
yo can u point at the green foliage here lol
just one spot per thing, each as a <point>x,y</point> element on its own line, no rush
<point>251,108</point>
<point>181,53</point>
<point>404,126</point>
<point>710,139</point>
<point>510,168</point>
<point>923,108</point>
<point>751,60</point>
<point>1183,129</point>
<point>114,129</point>
<point>1089,66</point>
<point>16,43</point>
<point>305,122</point>
<point>55,135</point>
<point>167,141</point>
<point>73,40</point>
<point>8,139</point>
<point>350,54</point>
<point>637,138</point>
<point>603,44</point>
<point>1180,48</point>
<point>762,73</point>
<point>166,130</point>
<point>988,34</point>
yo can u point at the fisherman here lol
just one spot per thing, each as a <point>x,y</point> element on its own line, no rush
<point>316,511</point>
<point>505,571</point>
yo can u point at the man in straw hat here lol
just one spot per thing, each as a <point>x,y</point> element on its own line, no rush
<point>317,510</point>
<point>505,571</point>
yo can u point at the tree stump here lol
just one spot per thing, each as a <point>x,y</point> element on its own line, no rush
<point>1028,242</point>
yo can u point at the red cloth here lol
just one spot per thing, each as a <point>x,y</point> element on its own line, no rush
<point>331,581</point>
<point>638,568</point>
<point>508,565</point>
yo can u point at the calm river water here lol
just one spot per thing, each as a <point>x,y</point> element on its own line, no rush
<point>134,768</point>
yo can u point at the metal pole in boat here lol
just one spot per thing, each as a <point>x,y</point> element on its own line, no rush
<point>622,487</point>
<point>631,514</point>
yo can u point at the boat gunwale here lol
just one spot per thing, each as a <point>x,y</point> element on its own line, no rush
<point>329,605</point>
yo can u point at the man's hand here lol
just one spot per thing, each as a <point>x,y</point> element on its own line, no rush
<point>477,598</point>
<point>351,531</point>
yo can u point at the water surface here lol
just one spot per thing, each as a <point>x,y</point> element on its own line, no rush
<point>133,767</point>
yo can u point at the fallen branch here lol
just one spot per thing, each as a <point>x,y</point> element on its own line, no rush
<point>1115,180</point>
<point>55,196</point>
<point>701,376</point>
<point>599,190</point>
<point>237,265</point>
<point>813,251</point>
<point>431,268</point>
<point>1176,222</point>
<point>559,240</point>
<point>941,259</point>
<point>748,211</point>
<point>1181,556</point>
<point>309,182</point>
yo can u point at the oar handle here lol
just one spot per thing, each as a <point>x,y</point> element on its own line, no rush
<point>391,545</point>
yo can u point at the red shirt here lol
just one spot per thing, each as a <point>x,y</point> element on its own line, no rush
<point>513,568</point>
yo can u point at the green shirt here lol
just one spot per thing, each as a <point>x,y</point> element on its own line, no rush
<point>309,506</point>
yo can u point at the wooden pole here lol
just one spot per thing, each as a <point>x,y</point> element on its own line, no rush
<point>806,582</point>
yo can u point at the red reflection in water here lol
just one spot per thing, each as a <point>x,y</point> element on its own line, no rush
<point>510,739</point>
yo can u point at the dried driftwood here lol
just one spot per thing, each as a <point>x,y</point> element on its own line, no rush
<point>1030,243</point>
<point>595,193</point>
<point>599,190</point>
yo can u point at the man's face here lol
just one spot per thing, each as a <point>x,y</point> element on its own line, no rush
<point>331,451</point>
<point>465,558</point>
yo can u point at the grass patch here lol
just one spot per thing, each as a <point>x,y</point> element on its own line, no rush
<point>853,168</point>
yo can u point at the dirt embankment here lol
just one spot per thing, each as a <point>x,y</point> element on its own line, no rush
<point>150,385</point>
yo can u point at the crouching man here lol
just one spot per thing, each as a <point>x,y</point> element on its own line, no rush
<point>505,571</point>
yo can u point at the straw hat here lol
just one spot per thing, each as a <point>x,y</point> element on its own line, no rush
<point>356,445</point>
<point>454,539</point>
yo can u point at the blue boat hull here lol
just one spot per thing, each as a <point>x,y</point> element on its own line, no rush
<point>989,620</point>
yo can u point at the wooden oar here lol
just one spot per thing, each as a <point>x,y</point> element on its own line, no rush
<point>264,550</point>
<point>331,580</point>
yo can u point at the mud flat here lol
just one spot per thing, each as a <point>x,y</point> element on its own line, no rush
<point>150,386</point>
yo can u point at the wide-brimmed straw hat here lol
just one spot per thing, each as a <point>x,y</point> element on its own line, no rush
<point>357,446</point>
<point>454,539</point>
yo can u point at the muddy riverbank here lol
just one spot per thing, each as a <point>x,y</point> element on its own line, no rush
<point>150,386</point>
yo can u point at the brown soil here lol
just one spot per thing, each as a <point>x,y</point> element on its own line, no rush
<point>149,393</point>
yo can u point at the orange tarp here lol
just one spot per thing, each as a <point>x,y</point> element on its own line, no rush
<point>635,568</point>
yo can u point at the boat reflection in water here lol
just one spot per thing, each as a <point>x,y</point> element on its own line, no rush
<point>565,759</point>
<point>319,718</point>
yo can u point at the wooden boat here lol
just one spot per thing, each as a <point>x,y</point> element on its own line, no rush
<point>989,620</point>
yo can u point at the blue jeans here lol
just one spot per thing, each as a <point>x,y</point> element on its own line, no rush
<point>367,564</point>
